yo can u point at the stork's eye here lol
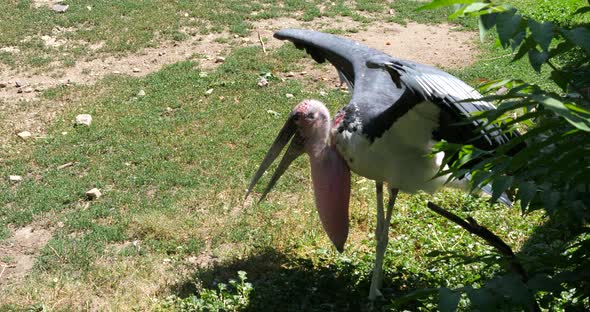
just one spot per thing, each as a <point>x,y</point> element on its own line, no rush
<point>309,116</point>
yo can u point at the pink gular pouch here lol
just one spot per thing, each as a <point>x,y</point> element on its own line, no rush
<point>307,129</point>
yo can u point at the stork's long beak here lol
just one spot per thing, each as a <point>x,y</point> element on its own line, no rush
<point>330,175</point>
<point>295,150</point>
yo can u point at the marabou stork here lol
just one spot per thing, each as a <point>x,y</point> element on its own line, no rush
<point>398,111</point>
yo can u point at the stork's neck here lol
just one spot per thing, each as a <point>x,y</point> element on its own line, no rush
<point>317,142</point>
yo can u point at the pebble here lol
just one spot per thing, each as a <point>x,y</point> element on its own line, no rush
<point>24,135</point>
<point>289,95</point>
<point>290,74</point>
<point>83,120</point>
<point>2,85</point>
<point>262,82</point>
<point>136,70</point>
<point>28,90</point>
<point>93,194</point>
<point>15,178</point>
<point>208,92</point>
<point>18,84</point>
<point>60,8</point>
<point>323,93</point>
<point>219,59</point>
<point>141,93</point>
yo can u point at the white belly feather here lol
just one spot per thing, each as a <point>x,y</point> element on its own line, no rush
<point>400,156</point>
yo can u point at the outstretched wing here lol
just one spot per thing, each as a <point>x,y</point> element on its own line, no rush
<point>386,88</point>
<point>349,57</point>
<point>456,99</point>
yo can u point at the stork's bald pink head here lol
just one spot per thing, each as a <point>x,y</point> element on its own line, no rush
<point>312,119</point>
<point>309,126</point>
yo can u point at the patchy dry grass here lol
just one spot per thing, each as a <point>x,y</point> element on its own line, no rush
<point>173,166</point>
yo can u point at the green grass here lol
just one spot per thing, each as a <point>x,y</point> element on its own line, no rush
<point>173,166</point>
<point>173,179</point>
<point>406,10</point>
<point>127,26</point>
<point>560,12</point>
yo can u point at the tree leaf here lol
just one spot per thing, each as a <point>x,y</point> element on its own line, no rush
<point>542,282</point>
<point>485,23</point>
<point>542,33</point>
<point>442,3</point>
<point>448,300</point>
<point>529,43</point>
<point>537,59</point>
<point>526,193</point>
<point>561,48</point>
<point>517,39</point>
<point>500,185</point>
<point>560,109</point>
<point>579,36</point>
<point>482,299</point>
<point>477,6</point>
<point>562,78</point>
<point>507,23</point>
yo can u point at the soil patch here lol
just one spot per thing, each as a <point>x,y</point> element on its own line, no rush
<point>17,254</point>
<point>19,98</point>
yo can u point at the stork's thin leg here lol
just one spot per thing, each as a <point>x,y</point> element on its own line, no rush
<point>380,252</point>
<point>382,236</point>
<point>385,230</point>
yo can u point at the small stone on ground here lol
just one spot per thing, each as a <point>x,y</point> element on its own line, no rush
<point>60,8</point>
<point>93,194</point>
<point>83,120</point>
<point>262,82</point>
<point>24,135</point>
<point>15,178</point>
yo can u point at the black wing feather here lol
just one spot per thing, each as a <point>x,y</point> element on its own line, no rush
<point>390,87</point>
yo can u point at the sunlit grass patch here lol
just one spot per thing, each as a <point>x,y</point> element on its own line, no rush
<point>173,166</point>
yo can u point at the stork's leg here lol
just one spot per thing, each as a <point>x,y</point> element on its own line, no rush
<point>382,236</point>
<point>380,252</point>
<point>385,231</point>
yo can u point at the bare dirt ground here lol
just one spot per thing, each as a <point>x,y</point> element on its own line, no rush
<point>437,45</point>
<point>20,98</point>
<point>17,254</point>
<point>422,43</point>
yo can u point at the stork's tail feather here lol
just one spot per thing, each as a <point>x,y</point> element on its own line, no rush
<point>504,198</point>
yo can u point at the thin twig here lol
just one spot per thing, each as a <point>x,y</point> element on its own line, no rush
<point>56,254</point>
<point>498,57</point>
<point>473,227</point>
<point>68,164</point>
<point>261,43</point>
<point>3,268</point>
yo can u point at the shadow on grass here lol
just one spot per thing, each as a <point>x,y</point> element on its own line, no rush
<point>285,283</point>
